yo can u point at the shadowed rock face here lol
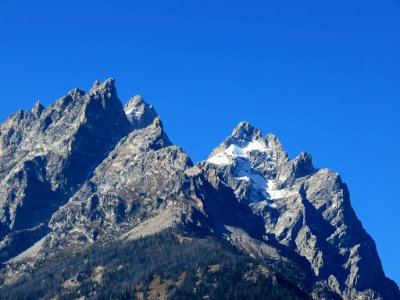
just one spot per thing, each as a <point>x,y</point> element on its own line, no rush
<point>87,170</point>
<point>47,153</point>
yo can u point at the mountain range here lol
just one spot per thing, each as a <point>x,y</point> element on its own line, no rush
<point>97,202</point>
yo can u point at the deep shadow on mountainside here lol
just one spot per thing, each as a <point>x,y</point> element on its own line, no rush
<point>96,201</point>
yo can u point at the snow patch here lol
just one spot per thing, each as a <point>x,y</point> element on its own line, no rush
<point>262,189</point>
<point>234,150</point>
<point>273,192</point>
<point>259,183</point>
<point>219,159</point>
<point>262,185</point>
<point>255,146</point>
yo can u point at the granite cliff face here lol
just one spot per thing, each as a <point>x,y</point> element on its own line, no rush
<point>87,171</point>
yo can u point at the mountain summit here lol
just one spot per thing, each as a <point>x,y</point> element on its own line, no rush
<point>94,196</point>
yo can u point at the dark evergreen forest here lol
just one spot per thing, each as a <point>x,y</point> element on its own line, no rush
<point>169,265</point>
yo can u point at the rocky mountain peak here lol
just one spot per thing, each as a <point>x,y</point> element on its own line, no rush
<point>46,154</point>
<point>139,113</point>
<point>104,91</point>
<point>107,85</point>
<point>37,109</point>
<point>303,165</point>
<point>75,93</point>
<point>304,209</point>
<point>244,132</point>
<point>264,153</point>
<point>299,167</point>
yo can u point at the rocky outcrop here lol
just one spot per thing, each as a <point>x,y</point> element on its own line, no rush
<point>139,113</point>
<point>140,179</point>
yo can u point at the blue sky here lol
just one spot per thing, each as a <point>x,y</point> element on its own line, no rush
<point>322,75</point>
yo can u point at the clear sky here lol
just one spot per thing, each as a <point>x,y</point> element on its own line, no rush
<point>324,76</point>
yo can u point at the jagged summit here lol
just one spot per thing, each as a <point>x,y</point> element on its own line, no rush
<point>103,87</point>
<point>37,109</point>
<point>245,132</point>
<point>139,113</point>
<point>247,142</point>
<point>299,167</point>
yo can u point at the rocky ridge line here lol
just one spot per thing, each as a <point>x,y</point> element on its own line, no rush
<point>87,169</point>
